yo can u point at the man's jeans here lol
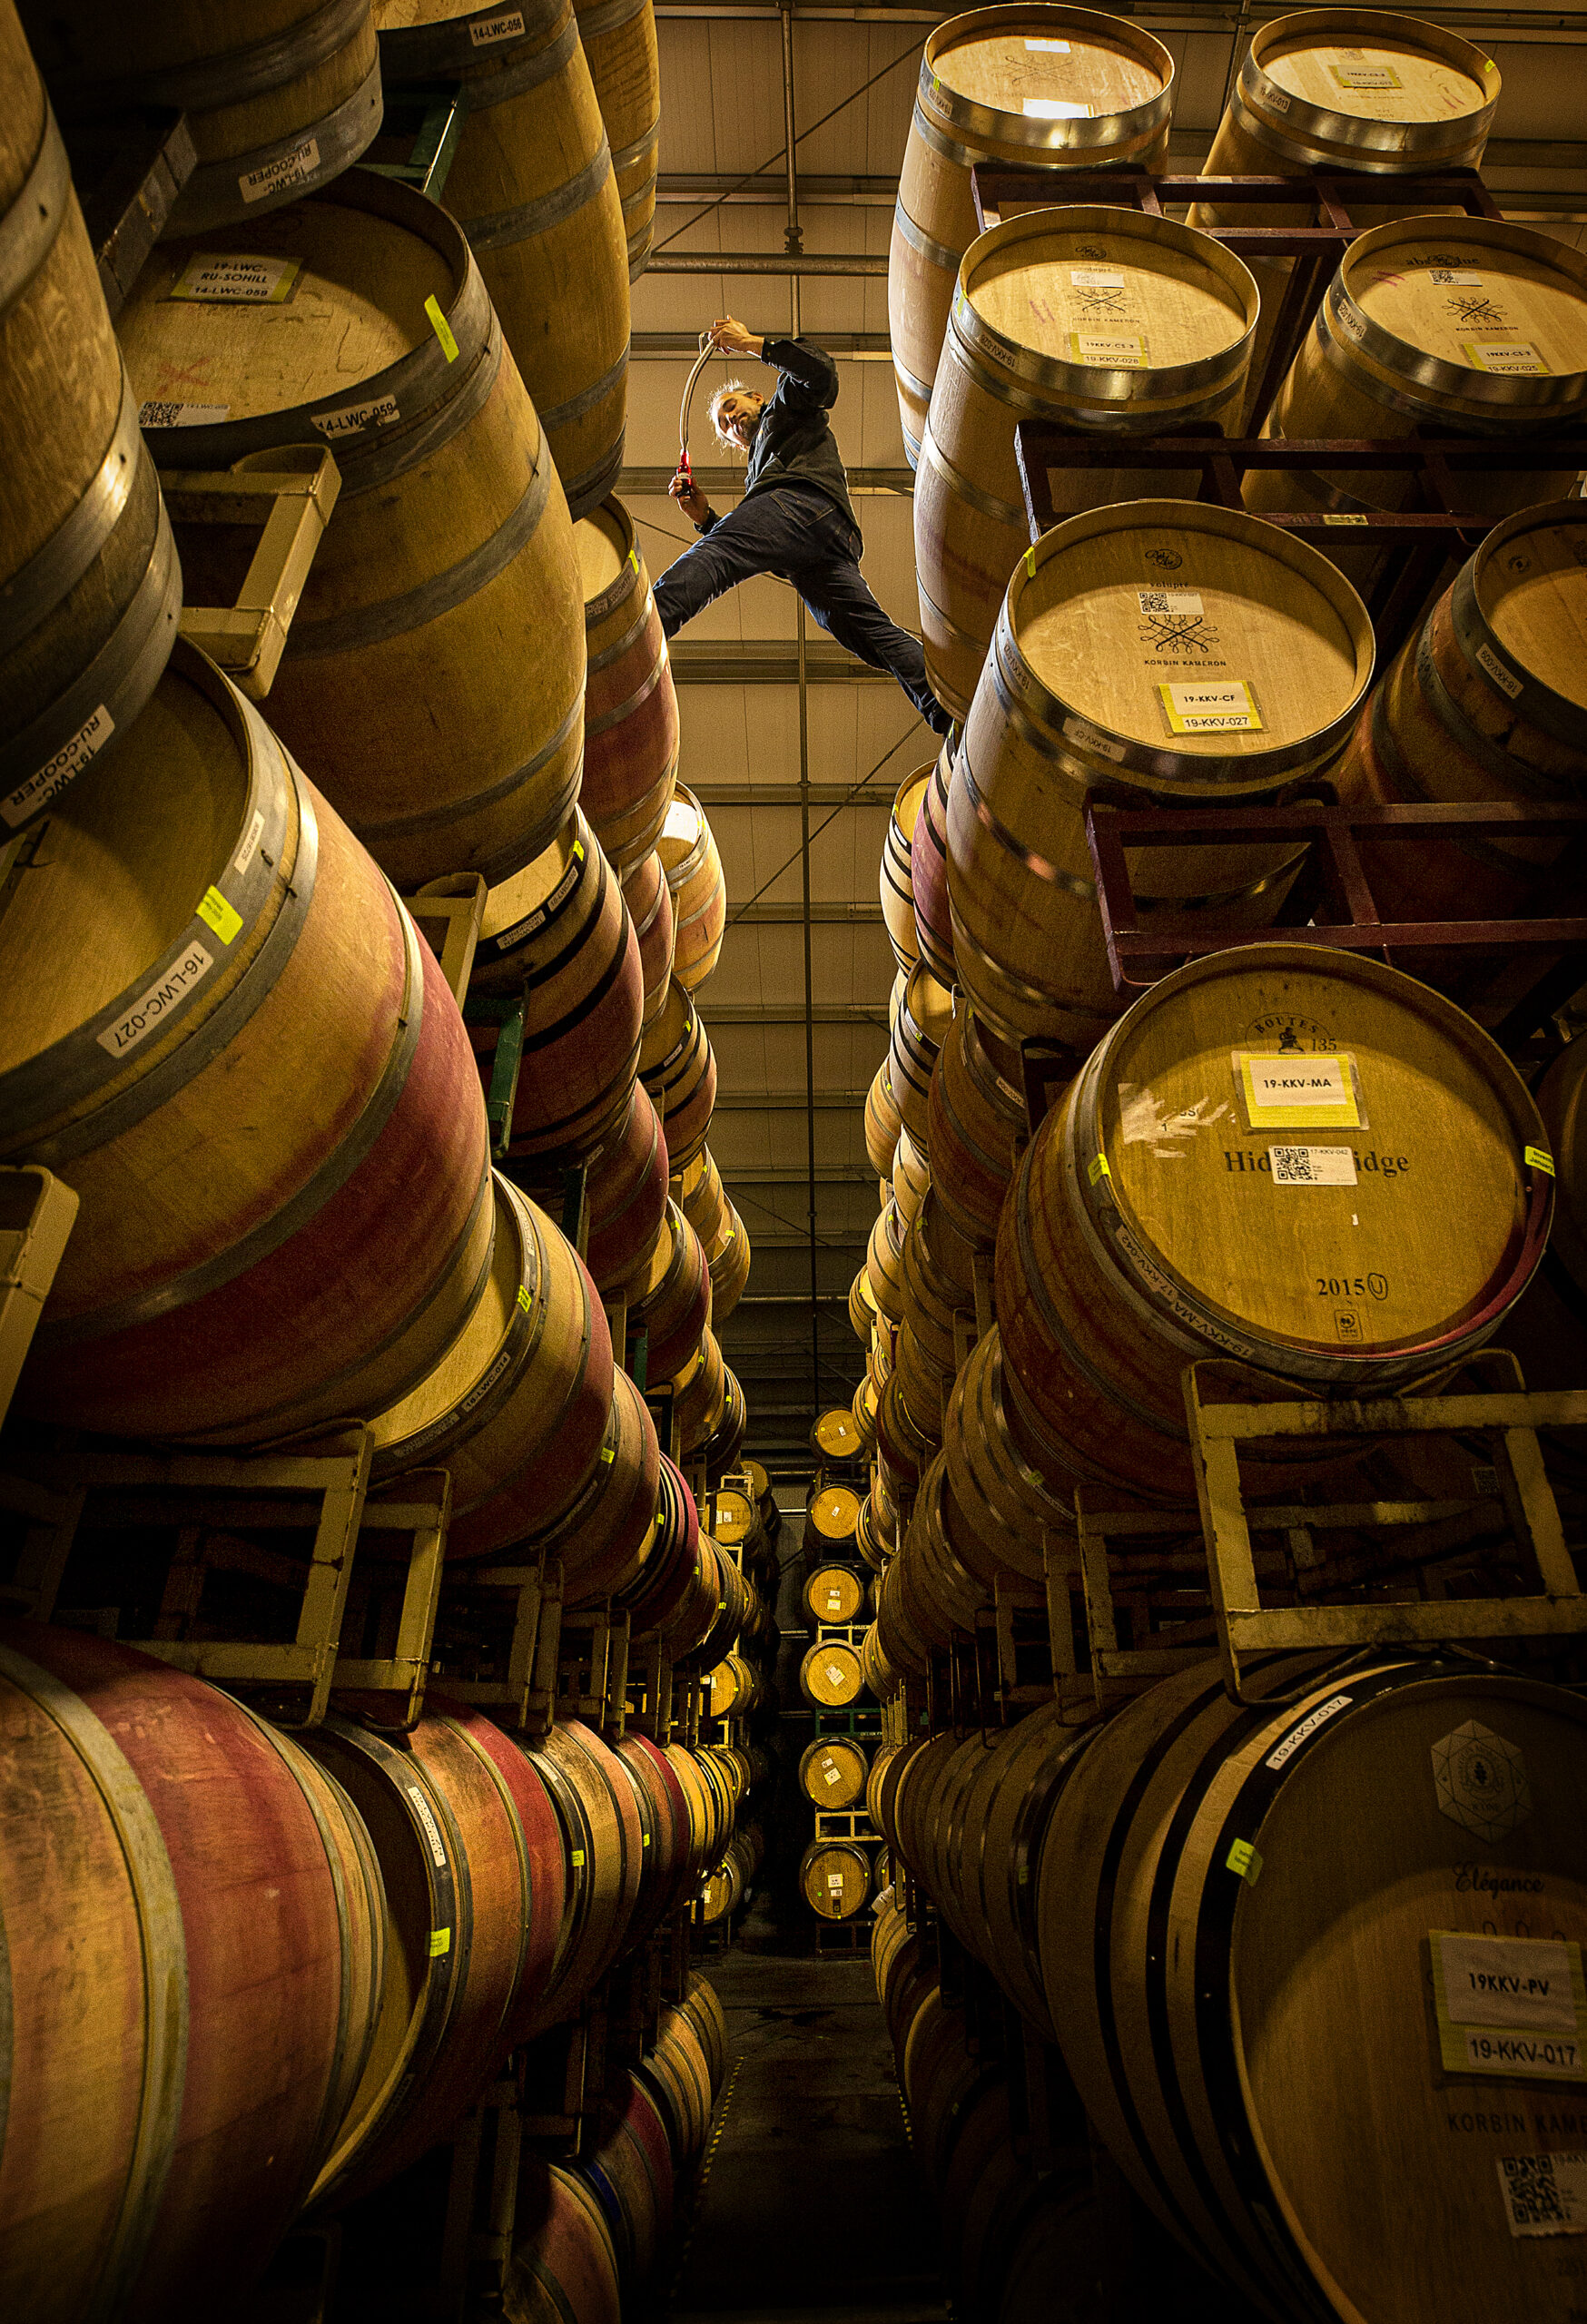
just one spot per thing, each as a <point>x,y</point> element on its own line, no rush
<point>802,537</point>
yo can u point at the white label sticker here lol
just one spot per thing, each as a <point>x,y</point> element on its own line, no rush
<point>834,1881</point>
<point>485,31</point>
<point>1510,1981</point>
<point>421,1808</point>
<point>1450,274</point>
<point>1312,1166</point>
<point>1544,2194</point>
<point>182,414</point>
<point>1277,101</point>
<point>235,279</point>
<point>55,773</point>
<point>832,1774</point>
<point>1171,601</point>
<point>1225,707</point>
<point>354,416</point>
<point>244,855</point>
<point>1505,680</point>
<point>834,1674</point>
<point>1095,277</point>
<point>1355,73</point>
<point>1115,350</point>
<point>1286,1751</point>
<point>151,1009</point>
<point>1281,1080</point>
<point>1514,359</point>
<point>1054,109</point>
<point>290,169</point>
<point>1046,47</point>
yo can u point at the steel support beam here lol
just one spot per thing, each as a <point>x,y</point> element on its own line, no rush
<point>825,1012</point>
<point>642,483</point>
<point>858,266</point>
<point>682,347</point>
<point>786,794</point>
<point>793,915</point>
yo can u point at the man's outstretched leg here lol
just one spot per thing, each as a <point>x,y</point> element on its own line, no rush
<point>837,595</point>
<point>771,532</point>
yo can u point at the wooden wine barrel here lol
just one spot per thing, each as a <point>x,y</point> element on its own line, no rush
<point>898,898</point>
<point>710,1815</point>
<point>444,752</point>
<point>650,908</point>
<point>728,1258</point>
<point>1039,87</point>
<point>603,1541</point>
<point>932,1592</point>
<point>731,1605</point>
<point>257,1082</point>
<point>672,1304</point>
<point>558,933</point>
<point>864,1407</point>
<point>932,1298</point>
<point>996,1506</point>
<point>665,1831</point>
<point>1355,89</point>
<point>1485,702</point>
<point>594,1800</point>
<point>834,1878</point>
<point>1468,324</point>
<point>678,1067</point>
<point>619,43</point>
<point>630,2170</point>
<point>1547,1327</point>
<point>625,1192</point>
<point>911,1176</point>
<point>678,2071</point>
<point>729,1884</point>
<point>531,181</point>
<point>928,871</point>
<point>885,1263</point>
<point>976,1111</point>
<point>701,2006</point>
<point>832,1436</point>
<point>829,1675</point>
<point>830,1513</point>
<point>834,1593</point>
<point>698,1193</point>
<point>861,1307</point>
<point>1113,1271</point>
<point>563,2261</point>
<point>1262,2152</point>
<point>89,589</point>
<point>892,1641</point>
<point>689,856</point>
<point>1179,654</point>
<point>1106,323</point>
<point>867,1537</point>
<point>700,1396</point>
<point>732,1688</point>
<point>833,1771</point>
<point>445,1807</point>
<point>517,1406</point>
<point>630,705</point>
<point>279,98</point>
<point>882,1120</point>
<point>677,1596</point>
<point>918,1032</point>
<point>738,1524</point>
<point>193,1986</point>
<point>904,1443</point>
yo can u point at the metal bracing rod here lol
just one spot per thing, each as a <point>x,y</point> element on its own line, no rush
<point>793,233</point>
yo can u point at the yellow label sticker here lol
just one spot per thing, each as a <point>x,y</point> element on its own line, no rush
<point>1536,1160</point>
<point>443,330</point>
<point>577,1857</point>
<point>217,913</point>
<point>1031,565</point>
<point>524,1302</point>
<point>608,1454</point>
<point>1293,1089</point>
<point>1111,351</point>
<point>1508,358</point>
<point>441,1941</point>
<point>645,1840</point>
<point>1098,1168</point>
<point>1246,1860</point>
<point>633,559</point>
<point>1336,518</point>
<point>1211,706</point>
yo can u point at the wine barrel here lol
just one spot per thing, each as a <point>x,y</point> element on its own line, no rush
<point>834,1593</point>
<point>730,1608</point>
<point>996,1507</point>
<point>1356,89</point>
<point>558,933</point>
<point>89,589</point>
<point>193,1987</point>
<point>918,1032</point>
<point>1547,1327</point>
<point>445,752</point>
<point>681,2062</point>
<point>1033,86</point>
<point>861,1307</point>
<point>650,908</point>
<point>672,1304</point>
<point>473,1912</point>
<point>911,1176</point>
<point>1179,654</point>
<point>1485,702</point>
<point>518,1407</point>
<point>279,99</point>
<point>832,1436</point>
<point>531,181</point>
<point>605,1538</point>
<point>898,898</point>
<point>928,872</point>
<point>932,1593</point>
<point>630,706</point>
<point>864,1407</point>
<point>831,1513</point>
<point>975,1112</point>
<point>882,1120</point>
<point>728,1258</point>
<point>698,1193</point>
<point>729,1885</point>
<point>834,1878</point>
<point>564,2261</point>
<point>595,1798</point>
<point>1113,1271</point>
<point>619,42</point>
<point>738,1524</point>
<point>625,1192</point>
<point>732,1689</point>
<point>1224,2043</point>
<point>701,2006</point>
<point>884,1262</point>
<point>1468,324</point>
<point>630,2172</point>
<point>829,1675</point>
<point>689,856</point>
<point>675,1597</point>
<point>833,1771</point>
<point>665,1832</point>
<point>257,1082</point>
<point>1104,322</point>
<point>700,1395</point>
<point>678,1067</point>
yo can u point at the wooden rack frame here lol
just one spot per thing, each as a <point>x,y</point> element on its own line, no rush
<point>290,491</point>
<point>37,1213</point>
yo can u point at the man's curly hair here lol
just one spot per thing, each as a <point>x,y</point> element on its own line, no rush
<point>728,388</point>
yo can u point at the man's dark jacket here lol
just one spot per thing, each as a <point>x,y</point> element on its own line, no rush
<point>793,442</point>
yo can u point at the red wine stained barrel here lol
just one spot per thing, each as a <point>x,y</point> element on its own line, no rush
<point>630,707</point>
<point>564,2262</point>
<point>650,908</point>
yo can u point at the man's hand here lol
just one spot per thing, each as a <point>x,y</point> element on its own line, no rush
<point>731,337</point>
<point>690,499</point>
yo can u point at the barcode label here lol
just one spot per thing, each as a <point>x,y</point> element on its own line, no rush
<point>1312,1166</point>
<point>182,414</point>
<point>1544,2194</point>
<point>421,1808</point>
<point>1170,602</point>
<point>1447,274</point>
<point>151,1007</point>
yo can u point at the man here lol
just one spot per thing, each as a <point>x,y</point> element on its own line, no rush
<point>794,520</point>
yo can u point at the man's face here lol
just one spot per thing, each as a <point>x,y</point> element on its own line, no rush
<point>740,414</point>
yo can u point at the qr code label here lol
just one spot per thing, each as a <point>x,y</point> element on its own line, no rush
<point>1170,602</point>
<point>1544,2194</point>
<point>1312,1166</point>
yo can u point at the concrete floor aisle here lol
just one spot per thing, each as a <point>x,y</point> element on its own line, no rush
<point>813,2210</point>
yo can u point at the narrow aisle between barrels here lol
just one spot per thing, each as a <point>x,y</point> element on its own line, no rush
<point>813,2206</point>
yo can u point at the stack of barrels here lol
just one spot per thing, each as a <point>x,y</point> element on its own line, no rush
<point>1080,1197</point>
<point>838,1872</point>
<point>735,1702</point>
